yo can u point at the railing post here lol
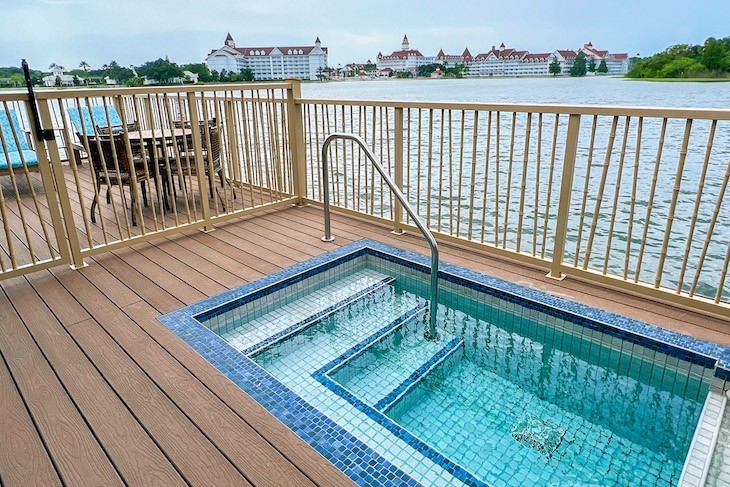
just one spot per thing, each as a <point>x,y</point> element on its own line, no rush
<point>566,187</point>
<point>295,127</point>
<point>51,170</point>
<point>199,166</point>
<point>398,147</point>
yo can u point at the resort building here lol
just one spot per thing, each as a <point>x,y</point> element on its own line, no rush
<point>405,59</point>
<point>58,75</point>
<point>267,63</point>
<point>616,63</point>
<point>500,61</point>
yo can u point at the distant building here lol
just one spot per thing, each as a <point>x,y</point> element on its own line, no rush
<point>437,73</point>
<point>616,63</point>
<point>304,62</point>
<point>57,74</point>
<point>405,59</point>
<point>501,61</point>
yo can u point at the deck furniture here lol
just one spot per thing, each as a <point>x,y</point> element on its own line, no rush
<point>112,166</point>
<point>19,156</point>
<point>211,153</point>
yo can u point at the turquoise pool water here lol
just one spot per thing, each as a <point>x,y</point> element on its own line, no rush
<point>511,395</point>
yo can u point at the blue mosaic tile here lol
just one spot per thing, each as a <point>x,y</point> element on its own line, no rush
<point>362,464</point>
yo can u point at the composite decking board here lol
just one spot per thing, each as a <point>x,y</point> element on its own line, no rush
<point>138,282</point>
<point>276,433</point>
<point>76,452</point>
<point>220,424</point>
<point>135,456</point>
<point>184,445</point>
<point>23,455</point>
<point>183,269</point>
<point>218,274</point>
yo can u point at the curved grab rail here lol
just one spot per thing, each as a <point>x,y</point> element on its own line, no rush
<point>430,333</point>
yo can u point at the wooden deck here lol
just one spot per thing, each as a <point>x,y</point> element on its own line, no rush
<point>95,391</point>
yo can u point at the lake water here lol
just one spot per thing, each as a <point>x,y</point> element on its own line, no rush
<point>571,91</point>
<point>629,211</point>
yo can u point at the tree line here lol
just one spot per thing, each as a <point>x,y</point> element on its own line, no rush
<point>160,71</point>
<point>710,60</point>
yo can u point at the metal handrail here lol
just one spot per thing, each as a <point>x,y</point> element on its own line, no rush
<point>430,333</point>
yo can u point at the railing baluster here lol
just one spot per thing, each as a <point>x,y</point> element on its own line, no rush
<point>538,164</point>
<point>548,197</point>
<point>589,165</point>
<point>398,215</point>
<point>633,196</point>
<point>461,175</point>
<point>497,177</point>
<point>710,231</point>
<point>650,203</point>
<point>441,166</point>
<point>695,211</point>
<point>723,276</point>
<point>486,175</point>
<point>673,203</point>
<point>472,183</point>
<point>509,178</point>
<point>429,172</point>
<point>601,187</point>
<point>616,193</point>
<point>523,184</point>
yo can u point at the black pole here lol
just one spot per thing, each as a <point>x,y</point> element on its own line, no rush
<point>40,133</point>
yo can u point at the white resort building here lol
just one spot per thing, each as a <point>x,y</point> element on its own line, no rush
<point>501,61</point>
<point>303,62</point>
<point>405,59</point>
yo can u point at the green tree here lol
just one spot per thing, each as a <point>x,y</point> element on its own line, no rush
<point>712,55</point>
<point>554,67</point>
<point>223,76</point>
<point>579,65</point>
<point>58,81</point>
<point>592,65</point>
<point>403,74</point>
<point>161,70</point>
<point>117,72</point>
<point>602,67</point>
<point>85,66</point>
<point>134,82</point>
<point>214,75</point>
<point>246,74</point>
<point>683,67</point>
<point>76,80</point>
<point>427,69</point>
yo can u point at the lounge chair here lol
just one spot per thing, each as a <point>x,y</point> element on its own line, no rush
<point>19,153</point>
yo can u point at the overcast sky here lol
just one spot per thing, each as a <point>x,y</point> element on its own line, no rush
<point>135,31</point>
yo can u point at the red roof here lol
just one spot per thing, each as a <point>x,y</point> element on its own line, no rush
<point>621,55</point>
<point>466,55</point>
<point>403,54</point>
<point>386,70</point>
<point>569,53</point>
<point>536,57</point>
<point>441,54</point>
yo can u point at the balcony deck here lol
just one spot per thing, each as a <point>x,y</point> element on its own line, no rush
<point>95,391</point>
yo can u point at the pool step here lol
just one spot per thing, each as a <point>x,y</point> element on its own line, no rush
<point>252,336</point>
<point>390,363</point>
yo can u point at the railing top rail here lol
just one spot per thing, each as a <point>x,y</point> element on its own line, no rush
<point>13,96</point>
<point>54,94</point>
<point>655,112</point>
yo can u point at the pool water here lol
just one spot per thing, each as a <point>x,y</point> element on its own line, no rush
<point>507,395</point>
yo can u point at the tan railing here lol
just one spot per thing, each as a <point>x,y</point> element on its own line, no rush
<point>128,165</point>
<point>630,197</point>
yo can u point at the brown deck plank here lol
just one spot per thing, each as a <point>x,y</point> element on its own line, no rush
<point>79,458</point>
<point>23,458</point>
<point>220,424</point>
<point>282,438</point>
<point>133,453</point>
